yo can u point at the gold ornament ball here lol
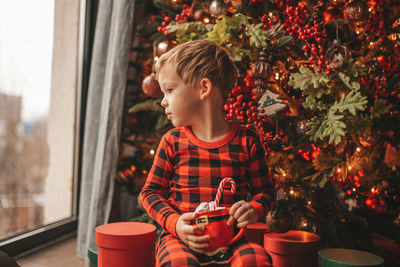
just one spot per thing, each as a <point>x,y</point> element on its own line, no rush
<point>218,9</point>
<point>151,87</point>
<point>356,11</point>
<point>163,47</point>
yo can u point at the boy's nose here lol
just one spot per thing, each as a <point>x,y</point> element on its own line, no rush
<point>164,103</point>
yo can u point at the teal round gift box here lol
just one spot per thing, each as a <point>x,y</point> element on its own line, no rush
<point>342,257</point>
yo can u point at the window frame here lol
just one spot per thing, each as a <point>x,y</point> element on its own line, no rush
<point>37,238</point>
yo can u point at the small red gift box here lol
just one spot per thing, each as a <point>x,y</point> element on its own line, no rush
<point>125,244</point>
<point>293,248</point>
<point>255,232</point>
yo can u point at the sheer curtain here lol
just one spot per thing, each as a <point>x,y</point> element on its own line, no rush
<point>107,82</point>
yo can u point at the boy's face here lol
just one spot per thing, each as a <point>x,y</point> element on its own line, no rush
<point>181,101</point>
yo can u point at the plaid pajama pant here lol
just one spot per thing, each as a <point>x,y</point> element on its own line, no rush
<point>172,252</point>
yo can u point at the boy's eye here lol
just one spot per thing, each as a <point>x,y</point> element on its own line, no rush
<point>169,90</point>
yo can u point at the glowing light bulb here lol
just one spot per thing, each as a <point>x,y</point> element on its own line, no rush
<point>309,202</point>
<point>277,76</point>
<point>358,32</point>
<point>349,167</point>
<point>291,192</point>
<point>371,43</point>
<point>206,20</point>
<point>354,190</point>
<point>305,224</point>
<point>358,149</point>
<point>152,151</point>
<point>339,170</point>
<point>155,59</point>
<point>369,9</point>
<point>284,174</point>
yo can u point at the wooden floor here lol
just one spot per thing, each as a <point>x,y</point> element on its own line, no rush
<point>62,254</point>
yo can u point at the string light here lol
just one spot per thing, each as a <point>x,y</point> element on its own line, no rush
<point>155,59</point>
<point>291,192</point>
<point>358,32</point>
<point>309,202</point>
<point>152,151</point>
<point>349,167</point>
<point>358,149</point>
<point>373,190</point>
<point>305,224</point>
<point>144,172</point>
<point>354,190</point>
<point>277,76</point>
<point>206,20</point>
<point>369,9</point>
<point>371,43</point>
<point>284,174</point>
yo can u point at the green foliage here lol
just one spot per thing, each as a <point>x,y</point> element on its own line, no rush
<point>149,105</point>
<point>258,37</point>
<point>351,102</point>
<point>346,80</point>
<point>379,109</point>
<point>330,124</point>
<point>189,31</point>
<point>311,83</point>
<point>219,33</point>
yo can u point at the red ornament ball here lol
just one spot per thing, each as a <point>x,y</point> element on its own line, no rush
<point>151,87</point>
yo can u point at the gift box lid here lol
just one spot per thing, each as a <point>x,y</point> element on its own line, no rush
<point>341,257</point>
<point>125,235</point>
<point>258,226</point>
<point>291,241</point>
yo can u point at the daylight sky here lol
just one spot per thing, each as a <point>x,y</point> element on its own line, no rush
<point>26,42</point>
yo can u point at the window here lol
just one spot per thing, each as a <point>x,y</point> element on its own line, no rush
<point>41,66</point>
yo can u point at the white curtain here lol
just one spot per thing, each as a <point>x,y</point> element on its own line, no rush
<point>107,83</point>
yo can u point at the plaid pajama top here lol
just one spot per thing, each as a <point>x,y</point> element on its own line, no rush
<point>187,171</point>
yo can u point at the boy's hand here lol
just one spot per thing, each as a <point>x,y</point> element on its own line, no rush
<point>187,233</point>
<point>243,213</point>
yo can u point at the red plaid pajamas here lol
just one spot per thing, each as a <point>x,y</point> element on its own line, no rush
<point>172,252</point>
<point>187,171</point>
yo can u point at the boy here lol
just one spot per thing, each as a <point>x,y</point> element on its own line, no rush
<point>193,158</point>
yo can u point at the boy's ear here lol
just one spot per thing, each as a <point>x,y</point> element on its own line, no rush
<point>205,88</point>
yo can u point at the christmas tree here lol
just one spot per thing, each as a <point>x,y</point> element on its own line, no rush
<point>319,83</point>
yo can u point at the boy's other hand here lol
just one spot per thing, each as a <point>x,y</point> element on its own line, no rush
<point>243,213</point>
<point>187,233</point>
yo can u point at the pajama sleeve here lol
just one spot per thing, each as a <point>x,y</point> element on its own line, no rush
<point>262,190</point>
<point>155,191</point>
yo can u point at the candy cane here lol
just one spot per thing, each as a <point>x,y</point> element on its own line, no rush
<point>221,186</point>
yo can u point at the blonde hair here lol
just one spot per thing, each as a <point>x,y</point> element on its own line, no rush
<point>200,59</point>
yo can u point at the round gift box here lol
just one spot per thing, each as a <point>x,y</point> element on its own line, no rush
<point>92,254</point>
<point>255,232</point>
<point>342,257</point>
<point>125,244</point>
<point>293,248</point>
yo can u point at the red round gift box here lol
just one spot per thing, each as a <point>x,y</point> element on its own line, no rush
<point>293,248</point>
<point>255,232</point>
<point>125,244</point>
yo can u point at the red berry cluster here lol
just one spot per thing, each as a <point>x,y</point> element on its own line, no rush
<point>244,107</point>
<point>267,21</point>
<point>295,19</point>
<point>296,26</point>
<point>390,65</point>
<point>375,23</point>
<point>164,24</point>
<point>380,3</point>
<point>187,13</point>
